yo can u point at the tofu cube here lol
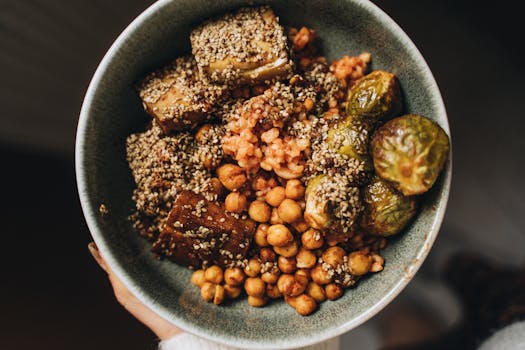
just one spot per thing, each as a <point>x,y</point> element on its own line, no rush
<point>249,46</point>
<point>199,232</point>
<point>178,97</point>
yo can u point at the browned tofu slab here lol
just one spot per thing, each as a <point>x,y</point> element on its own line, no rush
<point>199,232</point>
<point>178,97</point>
<point>248,46</point>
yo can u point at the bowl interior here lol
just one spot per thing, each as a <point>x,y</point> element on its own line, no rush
<point>112,111</point>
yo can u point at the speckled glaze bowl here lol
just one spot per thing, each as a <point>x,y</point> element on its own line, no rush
<point>112,110</point>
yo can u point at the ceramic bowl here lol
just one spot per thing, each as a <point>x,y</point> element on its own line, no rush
<point>112,110</point>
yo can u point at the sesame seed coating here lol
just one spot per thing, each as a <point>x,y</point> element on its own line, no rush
<point>327,86</point>
<point>189,237</point>
<point>248,45</point>
<point>326,160</point>
<point>178,96</point>
<point>163,165</point>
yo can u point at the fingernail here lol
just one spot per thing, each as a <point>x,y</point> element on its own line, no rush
<point>92,247</point>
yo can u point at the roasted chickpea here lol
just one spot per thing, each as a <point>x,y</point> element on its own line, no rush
<point>275,218</point>
<point>308,104</point>
<point>285,284</point>
<point>359,263</point>
<point>334,256</point>
<point>303,273</point>
<point>254,286</point>
<point>291,285</point>
<point>208,161</point>
<point>312,239</point>
<point>232,292</point>
<point>279,235</point>
<point>213,274</point>
<point>270,277</point>
<point>320,276</point>
<point>294,189</point>
<point>257,301</point>
<point>260,235</point>
<point>219,294</point>
<point>197,278</point>
<point>234,276</point>
<point>305,259</point>
<point>289,211</point>
<point>316,291</point>
<point>217,186</point>
<point>290,300</point>
<point>305,304</point>
<point>286,265</point>
<point>259,211</point>
<point>287,251</point>
<point>201,134</point>
<point>272,291</point>
<point>253,268</point>
<point>377,264</point>
<point>208,291</point>
<point>259,183</point>
<point>235,202</point>
<point>267,255</point>
<point>231,176</point>
<point>333,291</point>
<point>300,226</point>
<point>275,196</point>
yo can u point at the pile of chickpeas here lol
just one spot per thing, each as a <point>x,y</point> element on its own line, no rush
<point>292,257</point>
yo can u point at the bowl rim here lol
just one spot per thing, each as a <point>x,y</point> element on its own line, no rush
<point>96,231</point>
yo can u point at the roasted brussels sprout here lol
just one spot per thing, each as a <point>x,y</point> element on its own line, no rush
<point>376,95</point>
<point>387,211</point>
<point>410,151</point>
<point>350,137</point>
<point>332,203</point>
<point>317,209</point>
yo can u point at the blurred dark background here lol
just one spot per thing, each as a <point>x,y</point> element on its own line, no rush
<point>53,296</point>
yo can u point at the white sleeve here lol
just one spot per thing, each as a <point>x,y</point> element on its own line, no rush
<point>186,341</point>
<point>512,337</point>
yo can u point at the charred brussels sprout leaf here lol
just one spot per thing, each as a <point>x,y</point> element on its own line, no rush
<point>317,209</point>
<point>350,137</point>
<point>387,211</point>
<point>376,95</point>
<point>410,151</point>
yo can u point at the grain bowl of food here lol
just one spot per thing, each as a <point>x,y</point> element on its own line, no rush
<point>264,174</point>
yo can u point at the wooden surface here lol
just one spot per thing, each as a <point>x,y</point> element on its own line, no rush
<point>52,293</point>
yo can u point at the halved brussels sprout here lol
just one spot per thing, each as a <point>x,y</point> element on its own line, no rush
<point>317,208</point>
<point>410,151</point>
<point>387,211</point>
<point>376,95</point>
<point>350,137</point>
<point>332,203</point>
